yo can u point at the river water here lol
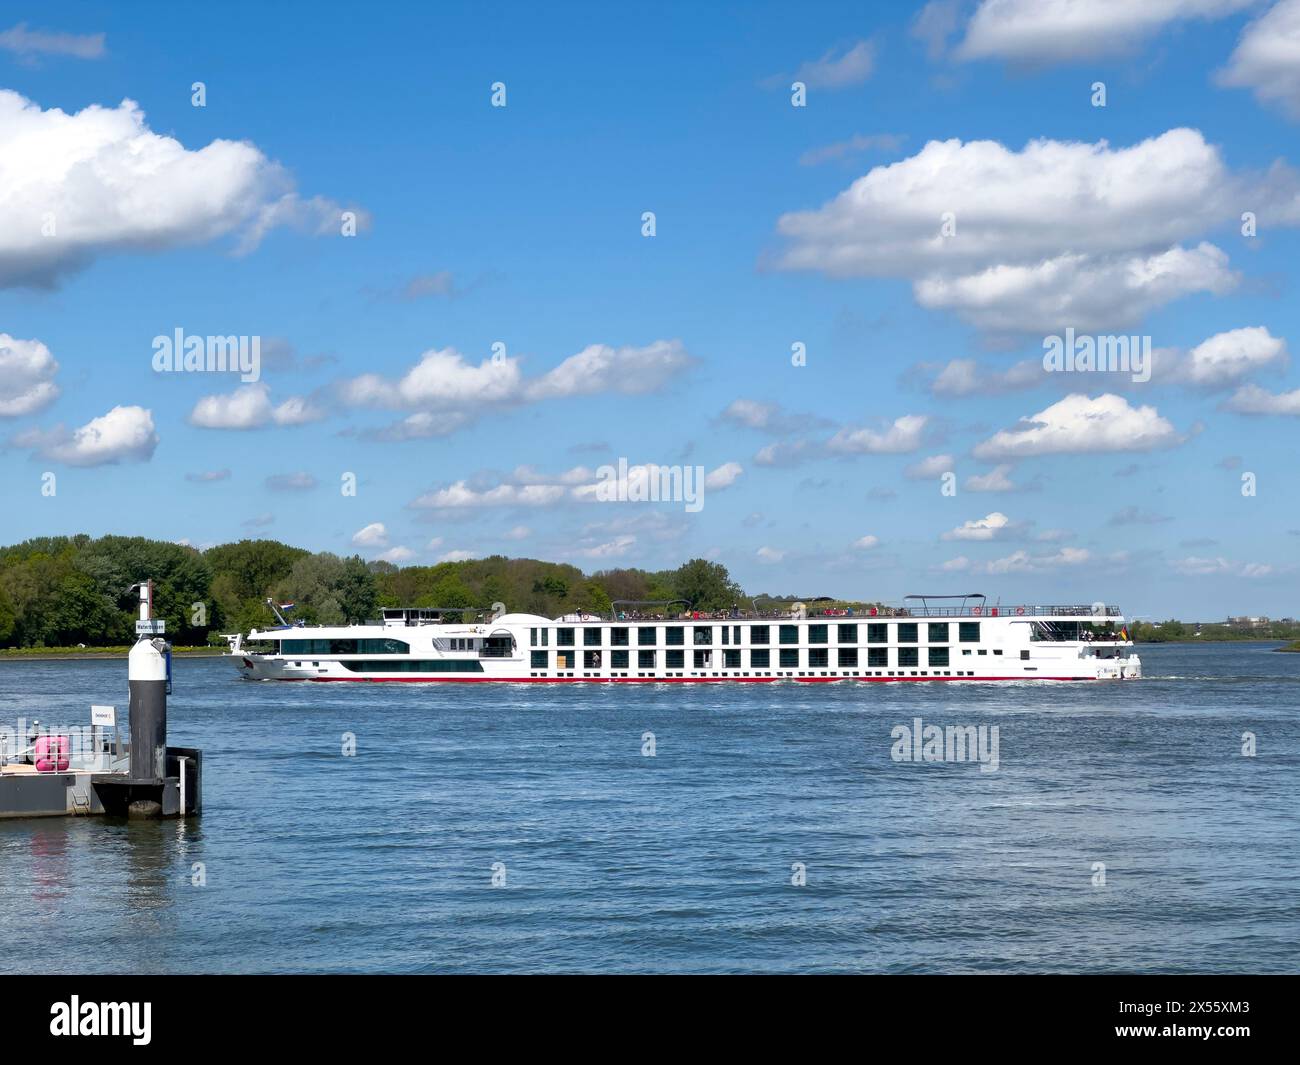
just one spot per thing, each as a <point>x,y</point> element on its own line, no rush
<point>527,828</point>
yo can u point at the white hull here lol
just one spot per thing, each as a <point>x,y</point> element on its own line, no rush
<point>522,648</point>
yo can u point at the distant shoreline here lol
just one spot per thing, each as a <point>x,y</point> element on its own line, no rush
<point>108,654</point>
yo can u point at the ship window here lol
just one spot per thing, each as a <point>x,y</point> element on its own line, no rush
<point>674,636</point>
<point>645,660</point>
<point>731,659</point>
<point>939,656</point>
<point>726,634</point>
<point>759,635</point>
<point>818,658</point>
<point>816,633</point>
<point>907,632</point>
<point>590,659</point>
<point>410,665</point>
<point>848,633</point>
<point>789,634</point>
<point>563,637</point>
<point>645,636</point>
<point>848,656</point>
<point>938,632</point>
<point>532,637</point>
<point>878,657</point>
<point>591,637</point>
<point>968,632</point>
<point>674,659</point>
<point>618,637</point>
<point>1024,656</point>
<point>546,637</point>
<point>703,659</point>
<point>789,658</point>
<point>909,656</point>
<point>760,659</point>
<point>618,660</point>
<point>703,635</point>
<point>538,660</point>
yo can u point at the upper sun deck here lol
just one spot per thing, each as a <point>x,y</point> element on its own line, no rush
<point>460,619</point>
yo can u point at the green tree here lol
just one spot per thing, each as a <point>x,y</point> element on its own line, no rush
<point>706,585</point>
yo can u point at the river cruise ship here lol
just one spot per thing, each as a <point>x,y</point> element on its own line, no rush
<point>930,638</point>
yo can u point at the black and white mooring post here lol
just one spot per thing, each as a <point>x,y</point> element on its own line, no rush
<point>162,781</point>
<point>147,678</point>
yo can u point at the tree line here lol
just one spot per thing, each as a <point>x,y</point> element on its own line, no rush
<point>65,591</point>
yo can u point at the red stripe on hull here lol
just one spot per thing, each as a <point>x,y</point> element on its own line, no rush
<point>660,680</point>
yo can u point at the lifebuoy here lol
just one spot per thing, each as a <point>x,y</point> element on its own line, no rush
<point>1020,610</point>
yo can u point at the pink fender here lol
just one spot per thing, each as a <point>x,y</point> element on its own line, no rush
<point>51,754</point>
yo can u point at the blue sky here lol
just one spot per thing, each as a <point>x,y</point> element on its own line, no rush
<point>523,225</point>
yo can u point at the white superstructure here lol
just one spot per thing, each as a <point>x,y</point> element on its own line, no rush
<point>972,642</point>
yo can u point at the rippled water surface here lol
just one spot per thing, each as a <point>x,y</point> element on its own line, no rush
<point>614,861</point>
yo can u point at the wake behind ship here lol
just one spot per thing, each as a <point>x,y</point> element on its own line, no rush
<point>928,639</point>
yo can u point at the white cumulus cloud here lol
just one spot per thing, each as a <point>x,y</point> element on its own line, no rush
<point>1267,58</point>
<point>250,407</point>
<point>97,181</point>
<point>27,372</point>
<point>1041,31</point>
<point>1080,425</point>
<point>1058,233</point>
<point>124,434</point>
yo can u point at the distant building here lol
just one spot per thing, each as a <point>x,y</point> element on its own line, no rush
<point>1248,622</point>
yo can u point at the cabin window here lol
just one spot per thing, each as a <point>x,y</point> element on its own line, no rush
<point>789,658</point>
<point>938,656</point>
<point>878,657</point>
<point>538,660</point>
<point>590,659</point>
<point>645,636</point>
<point>412,665</point>
<point>674,635</point>
<point>726,634</point>
<point>675,659</point>
<point>563,637</point>
<point>645,660</point>
<point>345,647</point>
<point>968,632</point>
<point>703,659</point>
<point>909,656</point>
<point>789,633</point>
<point>759,634</point>
<point>703,635</point>
<point>1024,656</point>
<point>818,657</point>
<point>877,634</point>
<point>760,659</point>
<point>848,656</point>
<point>618,637</point>
<point>731,659</point>
<point>938,632</point>
<point>848,633</point>
<point>817,633</point>
<point>618,660</point>
<point>591,637</point>
<point>907,632</point>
